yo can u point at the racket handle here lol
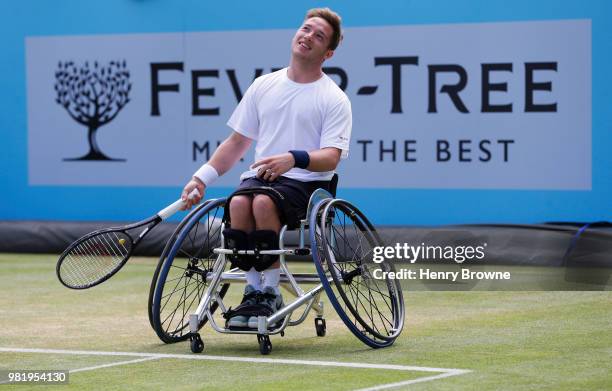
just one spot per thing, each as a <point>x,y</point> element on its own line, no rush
<point>176,206</point>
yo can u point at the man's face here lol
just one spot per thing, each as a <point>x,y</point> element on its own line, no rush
<point>311,41</point>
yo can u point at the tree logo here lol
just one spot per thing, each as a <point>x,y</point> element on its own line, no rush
<point>93,97</point>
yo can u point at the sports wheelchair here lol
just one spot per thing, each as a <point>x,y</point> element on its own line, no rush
<point>194,274</point>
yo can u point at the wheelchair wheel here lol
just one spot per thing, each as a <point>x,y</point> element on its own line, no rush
<point>164,255</point>
<point>343,240</point>
<point>180,281</point>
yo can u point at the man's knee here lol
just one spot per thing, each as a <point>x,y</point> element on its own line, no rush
<point>240,205</point>
<point>263,206</point>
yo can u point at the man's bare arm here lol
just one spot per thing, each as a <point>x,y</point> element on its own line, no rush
<point>224,158</point>
<point>321,160</point>
<point>325,159</point>
<point>229,152</point>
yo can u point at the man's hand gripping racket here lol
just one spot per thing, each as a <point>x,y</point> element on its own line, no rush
<point>97,256</point>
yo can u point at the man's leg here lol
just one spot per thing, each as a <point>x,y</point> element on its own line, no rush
<point>242,219</point>
<point>241,213</point>
<point>267,219</point>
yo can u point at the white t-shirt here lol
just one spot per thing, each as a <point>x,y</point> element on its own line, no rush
<point>282,115</point>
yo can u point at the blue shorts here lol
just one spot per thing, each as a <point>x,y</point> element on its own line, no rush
<point>296,194</point>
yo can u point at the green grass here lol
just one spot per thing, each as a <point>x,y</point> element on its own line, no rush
<point>510,340</point>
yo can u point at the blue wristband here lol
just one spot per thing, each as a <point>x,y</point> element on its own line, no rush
<point>302,159</point>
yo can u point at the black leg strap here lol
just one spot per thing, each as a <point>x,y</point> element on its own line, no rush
<point>263,240</point>
<point>238,240</point>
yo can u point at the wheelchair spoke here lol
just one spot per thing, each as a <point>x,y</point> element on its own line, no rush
<point>183,278</point>
<point>357,255</point>
<point>172,292</point>
<point>193,236</point>
<point>378,312</point>
<point>186,296</point>
<point>178,289</point>
<point>358,250</point>
<point>383,319</point>
<point>173,313</point>
<point>370,301</point>
<point>347,242</point>
<point>197,296</point>
<point>374,289</point>
<point>355,293</point>
<point>183,291</point>
<point>216,233</point>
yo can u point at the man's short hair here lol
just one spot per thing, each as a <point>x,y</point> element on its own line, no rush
<point>333,19</point>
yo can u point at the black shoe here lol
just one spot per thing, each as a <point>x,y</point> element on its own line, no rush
<point>270,300</point>
<point>250,298</point>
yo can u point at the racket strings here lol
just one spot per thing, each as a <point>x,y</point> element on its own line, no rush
<point>95,258</point>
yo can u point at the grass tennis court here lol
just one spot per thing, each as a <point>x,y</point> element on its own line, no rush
<point>508,340</point>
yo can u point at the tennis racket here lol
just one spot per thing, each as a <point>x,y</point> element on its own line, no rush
<point>97,256</point>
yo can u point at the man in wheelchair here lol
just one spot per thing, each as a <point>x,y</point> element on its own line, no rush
<point>301,123</point>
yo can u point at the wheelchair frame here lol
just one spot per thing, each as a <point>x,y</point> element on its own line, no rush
<point>217,278</point>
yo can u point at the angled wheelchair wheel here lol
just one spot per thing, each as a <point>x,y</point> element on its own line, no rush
<point>181,276</point>
<point>343,240</point>
<point>164,255</point>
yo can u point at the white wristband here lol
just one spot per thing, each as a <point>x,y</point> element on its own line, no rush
<point>207,174</point>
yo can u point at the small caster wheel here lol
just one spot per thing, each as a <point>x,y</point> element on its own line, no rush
<point>320,327</point>
<point>265,346</point>
<point>197,345</point>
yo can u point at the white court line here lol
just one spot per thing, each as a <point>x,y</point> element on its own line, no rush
<point>114,364</point>
<point>417,380</point>
<point>236,359</point>
<point>446,372</point>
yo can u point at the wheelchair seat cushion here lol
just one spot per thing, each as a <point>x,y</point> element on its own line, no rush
<point>289,195</point>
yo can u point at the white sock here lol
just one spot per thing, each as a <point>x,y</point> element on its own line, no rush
<point>272,278</point>
<point>253,277</point>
